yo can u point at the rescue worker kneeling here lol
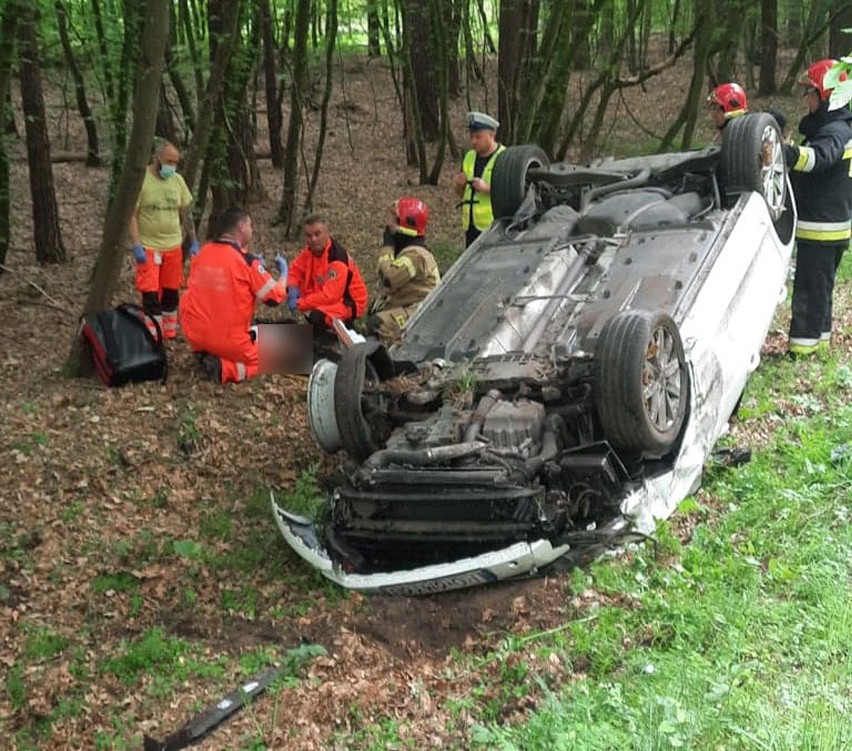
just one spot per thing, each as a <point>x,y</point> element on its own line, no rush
<point>225,283</point>
<point>407,270</point>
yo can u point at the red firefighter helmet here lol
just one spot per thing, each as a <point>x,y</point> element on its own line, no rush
<point>731,97</point>
<point>815,77</point>
<point>412,216</point>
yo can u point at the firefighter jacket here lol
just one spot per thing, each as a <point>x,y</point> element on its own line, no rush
<point>820,175</point>
<point>330,282</point>
<point>408,272</point>
<point>224,285</point>
<point>476,206</point>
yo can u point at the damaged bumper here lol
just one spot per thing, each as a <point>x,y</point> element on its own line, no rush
<point>515,560</point>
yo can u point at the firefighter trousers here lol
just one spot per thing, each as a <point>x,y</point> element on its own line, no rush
<point>813,288</point>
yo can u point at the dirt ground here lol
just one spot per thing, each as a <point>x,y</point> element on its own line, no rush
<point>147,507</point>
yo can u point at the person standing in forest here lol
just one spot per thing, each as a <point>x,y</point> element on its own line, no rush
<point>473,182</point>
<point>156,233</point>
<point>820,176</point>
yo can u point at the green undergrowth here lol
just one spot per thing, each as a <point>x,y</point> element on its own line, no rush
<point>740,639</point>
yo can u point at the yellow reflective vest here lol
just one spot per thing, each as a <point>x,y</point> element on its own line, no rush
<point>481,202</point>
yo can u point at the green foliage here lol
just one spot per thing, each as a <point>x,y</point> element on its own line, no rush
<point>153,653</point>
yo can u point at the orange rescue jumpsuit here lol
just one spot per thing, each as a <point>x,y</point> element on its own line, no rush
<point>330,283</point>
<point>217,308</point>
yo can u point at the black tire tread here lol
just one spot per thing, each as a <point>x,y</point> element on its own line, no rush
<point>617,370</point>
<point>509,179</point>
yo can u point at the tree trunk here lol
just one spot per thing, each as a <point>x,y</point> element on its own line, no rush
<point>518,29</point>
<point>194,56</point>
<point>48,237</point>
<point>273,103</point>
<point>374,47</point>
<point>113,247</point>
<point>134,19</point>
<point>768,46</point>
<point>418,40</point>
<point>166,127</point>
<point>330,46</point>
<point>93,157</point>
<point>302,28</point>
<point>8,27</point>
<point>215,86</point>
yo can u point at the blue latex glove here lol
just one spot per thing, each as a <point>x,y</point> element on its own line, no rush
<point>139,254</point>
<point>292,297</point>
<point>194,247</point>
<point>281,263</point>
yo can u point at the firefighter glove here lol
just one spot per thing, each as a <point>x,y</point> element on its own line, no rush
<point>194,248</point>
<point>281,265</point>
<point>292,297</point>
<point>139,254</point>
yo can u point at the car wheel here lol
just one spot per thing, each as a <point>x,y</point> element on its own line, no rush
<point>510,180</point>
<point>641,382</point>
<point>360,418</point>
<point>752,158</point>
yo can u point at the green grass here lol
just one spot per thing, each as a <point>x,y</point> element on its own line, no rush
<point>742,639</point>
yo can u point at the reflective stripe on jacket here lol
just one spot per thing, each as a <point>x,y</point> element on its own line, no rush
<point>820,176</point>
<point>483,216</point>
<point>225,284</point>
<point>410,276</point>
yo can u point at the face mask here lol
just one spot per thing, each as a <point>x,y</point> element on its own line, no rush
<point>167,171</point>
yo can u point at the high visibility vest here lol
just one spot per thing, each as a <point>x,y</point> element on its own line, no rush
<point>482,213</point>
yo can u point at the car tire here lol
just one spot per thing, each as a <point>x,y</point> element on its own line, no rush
<point>361,431</point>
<point>641,382</point>
<point>741,161</point>
<point>510,179</point>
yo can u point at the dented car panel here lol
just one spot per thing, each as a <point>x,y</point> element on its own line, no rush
<point>562,388</point>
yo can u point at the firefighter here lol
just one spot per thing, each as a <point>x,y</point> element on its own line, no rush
<point>726,101</point>
<point>407,270</point>
<point>473,182</point>
<point>156,233</point>
<point>225,283</point>
<point>820,176</point>
<point>324,282</point>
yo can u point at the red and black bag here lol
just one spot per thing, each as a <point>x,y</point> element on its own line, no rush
<point>122,347</point>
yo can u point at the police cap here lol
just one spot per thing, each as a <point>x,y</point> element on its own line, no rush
<point>481,121</point>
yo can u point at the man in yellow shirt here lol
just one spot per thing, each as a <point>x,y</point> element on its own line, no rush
<point>473,182</point>
<point>156,232</point>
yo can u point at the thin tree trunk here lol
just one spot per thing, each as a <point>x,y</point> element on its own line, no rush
<point>287,209</point>
<point>374,47</point>
<point>194,55</point>
<point>93,157</point>
<point>48,237</point>
<point>768,46</point>
<point>182,92</point>
<point>113,247</point>
<point>420,46</point>
<point>273,103</point>
<point>330,46</point>
<point>8,27</point>
<point>165,127</point>
<point>215,86</point>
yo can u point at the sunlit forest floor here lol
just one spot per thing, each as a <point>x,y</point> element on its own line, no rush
<point>142,574</point>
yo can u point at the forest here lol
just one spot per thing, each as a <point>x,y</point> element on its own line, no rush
<point>141,574</point>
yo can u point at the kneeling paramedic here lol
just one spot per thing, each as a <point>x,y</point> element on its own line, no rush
<point>225,283</point>
<point>407,270</point>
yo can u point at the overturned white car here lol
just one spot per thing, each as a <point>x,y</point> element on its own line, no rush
<point>566,382</point>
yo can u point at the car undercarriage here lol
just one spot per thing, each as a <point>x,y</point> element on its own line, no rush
<point>563,386</point>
